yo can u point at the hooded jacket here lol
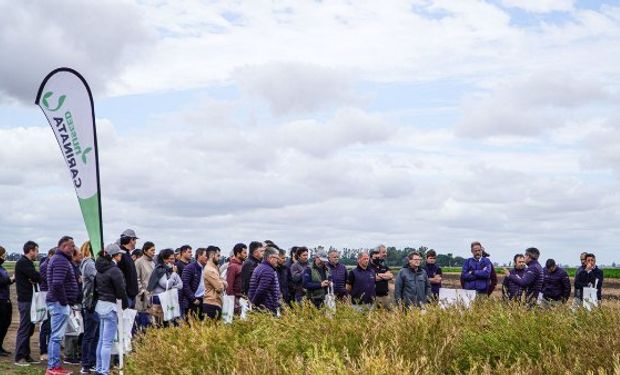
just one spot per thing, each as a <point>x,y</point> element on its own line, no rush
<point>412,287</point>
<point>109,282</point>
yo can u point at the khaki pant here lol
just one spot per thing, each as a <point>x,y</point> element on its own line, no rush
<point>384,301</point>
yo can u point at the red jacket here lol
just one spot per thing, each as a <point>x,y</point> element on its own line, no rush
<point>233,278</point>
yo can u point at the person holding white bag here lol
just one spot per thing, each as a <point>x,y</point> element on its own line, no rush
<point>589,277</point>
<point>164,277</point>
<point>109,286</point>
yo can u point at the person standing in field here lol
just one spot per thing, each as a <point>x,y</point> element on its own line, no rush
<point>434,273</point>
<point>63,292</point>
<point>185,257</point>
<point>512,291</point>
<point>91,320</point>
<point>6,308</point>
<point>412,287</point>
<point>582,260</point>
<point>128,244</point>
<point>264,290</point>
<point>383,276</point>
<point>476,271</point>
<point>26,277</point>
<point>338,273</point>
<point>234,279</point>
<point>284,275</point>
<point>45,329</point>
<point>556,284</point>
<point>315,279</point>
<point>249,265</point>
<point>214,285</point>
<point>144,268</point>
<point>532,281</point>
<point>590,276</point>
<point>164,277</point>
<point>361,283</point>
<point>297,270</point>
<point>193,292</point>
<point>109,287</point>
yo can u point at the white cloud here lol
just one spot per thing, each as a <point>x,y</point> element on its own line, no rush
<point>541,6</point>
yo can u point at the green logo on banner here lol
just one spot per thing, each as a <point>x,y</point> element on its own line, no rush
<point>61,101</point>
<point>86,151</point>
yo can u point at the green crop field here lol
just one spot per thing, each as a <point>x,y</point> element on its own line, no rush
<point>491,338</point>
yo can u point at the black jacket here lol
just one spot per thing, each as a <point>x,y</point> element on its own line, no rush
<point>248,267</point>
<point>128,268</point>
<point>109,282</point>
<point>25,276</point>
<point>584,278</point>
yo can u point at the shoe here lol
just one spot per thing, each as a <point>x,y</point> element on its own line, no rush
<point>22,363</point>
<point>57,371</point>
<point>85,370</point>
<point>4,352</point>
<point>71,361</point>
<point>44,358</point>
<point>31,360</point>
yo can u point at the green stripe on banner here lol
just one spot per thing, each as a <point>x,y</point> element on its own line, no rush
<point>90,211</point>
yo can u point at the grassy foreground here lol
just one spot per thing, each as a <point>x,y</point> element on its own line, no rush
<point>492,338</point>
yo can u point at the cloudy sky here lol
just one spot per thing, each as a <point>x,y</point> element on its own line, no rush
<point>337,123</point>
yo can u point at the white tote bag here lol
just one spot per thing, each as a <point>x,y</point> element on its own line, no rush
<point>228,308</point>
<point>38,308</point>
<point>124,327</point>
<point>245,308</point>
<point>75,324</point>
<point>169,301</point>
<point>590,298</point>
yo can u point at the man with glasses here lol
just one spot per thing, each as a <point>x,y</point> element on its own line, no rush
<point>413,287</point>
<point>264,290</point>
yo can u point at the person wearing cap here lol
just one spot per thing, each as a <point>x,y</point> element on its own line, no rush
<point>361,282</point>
<point>164,277</point>
<point>556,284</point>
<point>127,266</point>
<point>338,274</point>
<point>412,286</point>
<point>109,286</point>
<point>256,251</point>
<point>144,268</point>
<point>315,279</point>
<point>264,290</point>
<point>214,285</point>
<point>192,294</point>
<point>185,257</point>
<point>63,292</point>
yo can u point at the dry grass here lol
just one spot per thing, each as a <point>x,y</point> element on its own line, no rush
<point>492,338</point>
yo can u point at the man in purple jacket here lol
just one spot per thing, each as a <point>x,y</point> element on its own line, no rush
<point>511,290</point>
<point>476,272</point>
<point>63,292</point>
<point>264,290</point>
<point>556,284</point>
<point>337,274</point>
<point>532,281</point>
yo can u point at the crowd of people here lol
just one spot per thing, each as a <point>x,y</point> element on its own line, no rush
<point>261,273</point>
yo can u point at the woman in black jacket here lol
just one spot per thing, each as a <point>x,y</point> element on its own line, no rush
<point>109,287</point>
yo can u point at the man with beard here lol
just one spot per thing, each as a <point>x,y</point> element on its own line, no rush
<point>214,285</point>
<point>234,277</point>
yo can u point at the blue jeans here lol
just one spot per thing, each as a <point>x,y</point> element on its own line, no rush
<point>107,332</point>
<point>59,315</point>
<point>90,338</point>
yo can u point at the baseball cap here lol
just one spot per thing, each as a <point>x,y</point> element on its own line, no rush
<point>322,255</point>
<point>113,249</point>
